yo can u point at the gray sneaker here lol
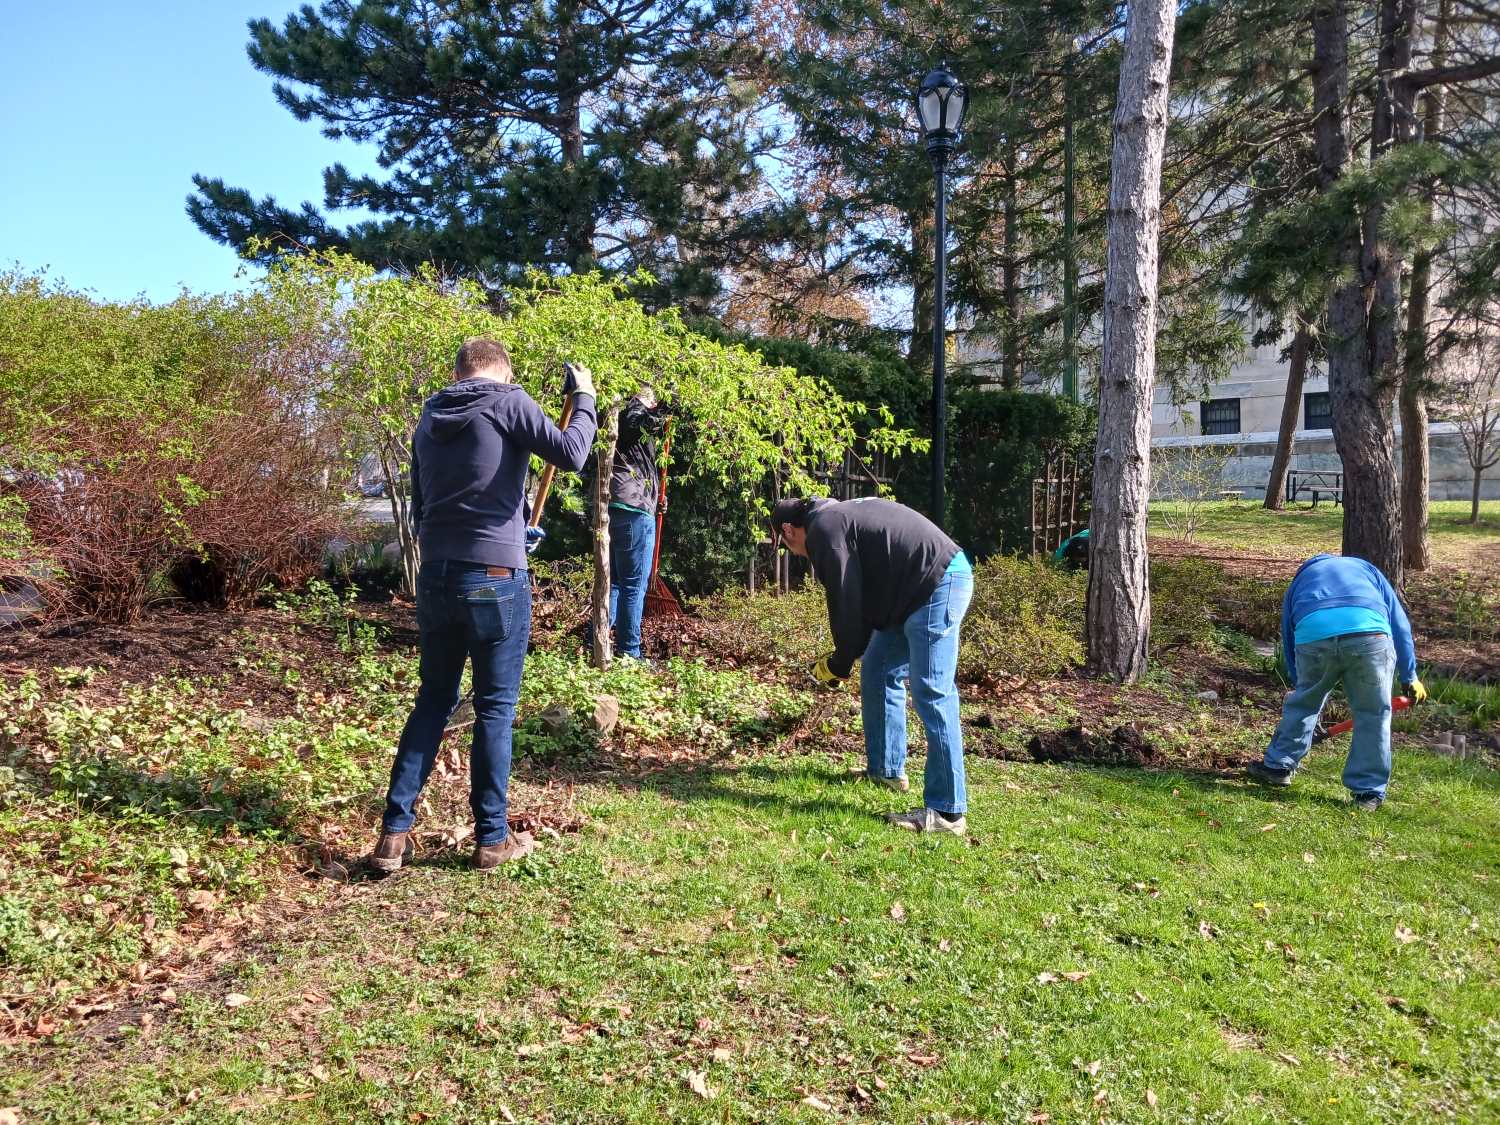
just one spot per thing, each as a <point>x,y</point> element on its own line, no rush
<point>928,820</point>
<point>1368,802</point>
<point>1266,775</point>
<point>899,784</point>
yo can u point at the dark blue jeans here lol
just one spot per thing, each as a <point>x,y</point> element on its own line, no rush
<point>464,614</point>
<point>632,535</point>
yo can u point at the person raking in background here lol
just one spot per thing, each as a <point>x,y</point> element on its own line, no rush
<point>1342,623</point>
<point>897,591</point>
<point>470,455</point>
<point>634,488</point>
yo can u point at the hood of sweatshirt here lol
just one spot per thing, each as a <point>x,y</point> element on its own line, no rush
<point>451,410</point>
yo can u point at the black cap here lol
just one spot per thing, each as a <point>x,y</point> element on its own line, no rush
<point>792,510</point>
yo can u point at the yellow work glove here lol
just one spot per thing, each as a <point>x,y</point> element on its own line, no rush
<point>1417,692</point>
<point>824,674</point>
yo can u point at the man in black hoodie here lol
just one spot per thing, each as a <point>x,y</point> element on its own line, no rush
<point>470,455</point>
<point>897,590</point>
<point>634,488</point>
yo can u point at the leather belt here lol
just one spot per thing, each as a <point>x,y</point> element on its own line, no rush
<point>499,572</point>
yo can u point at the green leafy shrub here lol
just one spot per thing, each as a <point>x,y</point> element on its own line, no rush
<point>996,445</point>
<point>1184,593</point>
<point>1026,620</point>
<point>768,629</point>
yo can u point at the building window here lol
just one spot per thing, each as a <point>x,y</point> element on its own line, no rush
<point>1317,413</point>
<point>1221,416</point>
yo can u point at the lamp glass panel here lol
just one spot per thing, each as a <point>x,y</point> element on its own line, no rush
<point>953,111</point>
<point>930,110</point>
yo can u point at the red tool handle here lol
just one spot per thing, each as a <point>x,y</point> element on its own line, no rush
<point>661,503</point>
<point>1398,703</point>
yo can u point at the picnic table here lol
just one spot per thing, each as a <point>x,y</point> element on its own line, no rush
<point>1317,483</point>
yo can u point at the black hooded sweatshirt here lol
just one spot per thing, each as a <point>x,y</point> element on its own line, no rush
<point>469,458</point>
<point>878,562</point>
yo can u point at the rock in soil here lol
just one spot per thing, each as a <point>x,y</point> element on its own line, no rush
<point>1125,746</point>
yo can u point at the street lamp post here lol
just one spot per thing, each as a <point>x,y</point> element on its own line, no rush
<point>941,103</point>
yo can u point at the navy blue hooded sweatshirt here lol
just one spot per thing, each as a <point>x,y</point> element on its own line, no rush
<point>468,468</point>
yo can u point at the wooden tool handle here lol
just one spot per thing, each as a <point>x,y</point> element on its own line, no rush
<point>544,485</point>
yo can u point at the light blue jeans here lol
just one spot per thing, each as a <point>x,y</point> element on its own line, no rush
<point>925,649</point>
<point>1365,664</point>
<point>632,536</point>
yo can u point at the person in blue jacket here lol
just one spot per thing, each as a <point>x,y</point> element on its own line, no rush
<point>1342,623</point>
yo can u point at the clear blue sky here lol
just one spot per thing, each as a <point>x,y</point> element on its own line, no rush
<point>109,108</point>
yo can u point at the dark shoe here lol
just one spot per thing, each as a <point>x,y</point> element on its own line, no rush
<point>1368,802</point>
<point>1259,771</point>
<point>393,850</point>
<point>514,846</point>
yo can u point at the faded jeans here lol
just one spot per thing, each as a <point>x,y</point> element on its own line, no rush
<point>923,648</point>
<point>464,614</point>
<point>1365,664</point>
<point>632,536</point>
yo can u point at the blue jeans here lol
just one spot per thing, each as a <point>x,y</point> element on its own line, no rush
<point>464,614</point>
<point>1365,664</point>
<point>925,649</point>
<point>632,535</point>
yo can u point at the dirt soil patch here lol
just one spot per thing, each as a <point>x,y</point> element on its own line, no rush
<point>1123,746</point>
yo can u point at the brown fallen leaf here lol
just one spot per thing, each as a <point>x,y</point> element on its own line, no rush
<point>1206,930</point>
<point>944,946</point>
<point>816,1102</point>
<point>878,1082</point>
<point>922,1060</point>
<point>167,996</point>
<point>698,1084</point>
<point>1077,976</point>
<point>1405,936</point>
<point>530,1050</point>
<point>10,1115</point>
<point>202,901</point>
<point>235,1000</point>
<point>1140,997</point>
<point>1100,1097</point>
<point>505,1112</point>
<point>1150,1097</point>
<point>722,1054</point>
<point>898,911</point>
<point>1047,978</point>
<point>1268,827</point>
<point>1039,1118</point>
<point>860,1094</point>
<point>1290,1060</point>
<point>1091,1069</point>
<point>1308,857</point>
<point>319,1071</point>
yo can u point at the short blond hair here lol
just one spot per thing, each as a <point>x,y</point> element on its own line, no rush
<point>478,355</point>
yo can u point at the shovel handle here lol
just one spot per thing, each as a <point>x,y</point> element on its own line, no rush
<point>544,483</point>
<point>1398,703</point>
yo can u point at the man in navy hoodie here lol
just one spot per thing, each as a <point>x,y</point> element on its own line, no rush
<point>1342,623</point>
<point>470,454</point>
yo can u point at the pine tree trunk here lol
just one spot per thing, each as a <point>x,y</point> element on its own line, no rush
<point>1290,408</point>
<point>578,233</point>
<point>1416,461</point>
<point>1010,371</point>
<point>603,643</point>
<point>1119,599</point>
<point>1361,343</point>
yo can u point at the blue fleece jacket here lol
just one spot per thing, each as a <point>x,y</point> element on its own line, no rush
<point>1332,582</point>
<point>468,468</point>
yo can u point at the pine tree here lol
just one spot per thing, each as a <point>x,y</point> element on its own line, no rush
<point>552,133</point>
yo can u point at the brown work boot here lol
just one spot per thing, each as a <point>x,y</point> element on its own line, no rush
<point>393,850</point>
<point>514,846</point>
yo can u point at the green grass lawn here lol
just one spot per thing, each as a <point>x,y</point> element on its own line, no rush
<point>1107,944</point>
<point>1301,530</point>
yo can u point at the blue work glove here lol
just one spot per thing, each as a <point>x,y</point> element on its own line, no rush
<point>534,537</point>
